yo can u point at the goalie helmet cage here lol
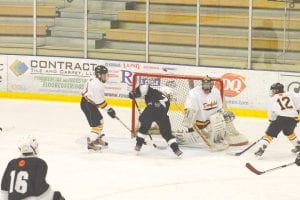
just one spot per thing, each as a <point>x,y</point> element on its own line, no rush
<point>180,85</point>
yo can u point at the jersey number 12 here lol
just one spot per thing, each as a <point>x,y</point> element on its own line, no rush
<point>284,103</point>
<point>20,185</point>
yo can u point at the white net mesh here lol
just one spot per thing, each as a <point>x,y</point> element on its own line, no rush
<point>180,85</point>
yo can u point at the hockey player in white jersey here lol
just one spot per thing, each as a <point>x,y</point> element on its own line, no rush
<point>92,99</point>
<point>205,113</point>
<point>282,114</point>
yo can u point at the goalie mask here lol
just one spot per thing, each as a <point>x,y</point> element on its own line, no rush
<point>28,145</point>
<point>207,84</point>
<point>101,73</point>
<point>167,91</point>
<point>276,88</point>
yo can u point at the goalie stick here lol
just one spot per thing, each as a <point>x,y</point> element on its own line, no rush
<point>257,172</point>
<point>246,149</point>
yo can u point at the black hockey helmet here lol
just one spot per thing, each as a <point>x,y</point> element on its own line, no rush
<point>101,69</point>
<point>207,84</point>
<point>277,88</point>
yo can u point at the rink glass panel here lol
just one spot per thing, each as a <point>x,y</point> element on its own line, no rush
<point>172,32</point>
<point>275,37</point>
<point>117,30</point>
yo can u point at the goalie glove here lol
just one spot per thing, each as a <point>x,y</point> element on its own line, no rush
<point>228,115</point>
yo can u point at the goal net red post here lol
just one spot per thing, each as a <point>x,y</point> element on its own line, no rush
<point>180,84</point>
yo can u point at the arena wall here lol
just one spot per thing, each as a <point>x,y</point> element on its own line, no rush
<point>61,79</point>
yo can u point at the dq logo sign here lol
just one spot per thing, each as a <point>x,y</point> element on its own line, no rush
<point>234,84</point>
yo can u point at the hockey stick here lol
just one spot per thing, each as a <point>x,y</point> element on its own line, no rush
<point>123,123</point>
<point>246,149</point>
<point>4,129</point>
<point>156,146</point>
<point>151,139</point>
<point>257,172</point>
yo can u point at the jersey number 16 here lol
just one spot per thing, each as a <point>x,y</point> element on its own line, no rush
<point>20,185</point>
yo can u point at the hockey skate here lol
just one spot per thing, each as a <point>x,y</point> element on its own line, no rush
<point>101,141</point>
<point>176,150</point>
<point>296,149</point>
<point>138,147</point>
<point>139,143</point>
<point>93,145</point>
<point>260,151</point>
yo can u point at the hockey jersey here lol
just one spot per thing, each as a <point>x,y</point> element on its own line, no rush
<point>94,91</point>
<point>25,177</point>
<point>284,104</point>
<point>154,97</point>
<point>204,104</point>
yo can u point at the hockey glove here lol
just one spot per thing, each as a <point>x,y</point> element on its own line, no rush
<point>131,94</point>
<point>111,112</point>
<point>297,161</point>
<point>57,196</point>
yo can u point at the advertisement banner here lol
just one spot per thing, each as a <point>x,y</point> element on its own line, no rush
<point>291,81</point>
<point>247,89</point>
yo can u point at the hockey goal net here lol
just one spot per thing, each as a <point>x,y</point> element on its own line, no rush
<point>180,84</point>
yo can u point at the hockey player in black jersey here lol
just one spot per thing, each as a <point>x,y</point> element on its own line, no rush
<point>157,108</point>
<point>25,177</point>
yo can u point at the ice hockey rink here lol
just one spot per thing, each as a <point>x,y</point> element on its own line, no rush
<point>117,173</point>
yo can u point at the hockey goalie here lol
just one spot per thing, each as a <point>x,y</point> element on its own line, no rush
<point>207,120</point>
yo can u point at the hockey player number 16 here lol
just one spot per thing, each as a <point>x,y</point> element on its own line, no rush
<point>20,185</point>
<point>284,103</point>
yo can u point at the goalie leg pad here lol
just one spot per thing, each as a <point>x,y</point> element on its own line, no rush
<point>217,128</point>
<point>205,135</point>
<point>214,134</point>
<point>233,137</point>
<point>188,138</point>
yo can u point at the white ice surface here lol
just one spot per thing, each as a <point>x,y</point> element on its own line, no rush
<point>118,173</point>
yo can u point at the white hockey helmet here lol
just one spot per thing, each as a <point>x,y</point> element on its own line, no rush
<point>28,145</point>
<point>167,91</point>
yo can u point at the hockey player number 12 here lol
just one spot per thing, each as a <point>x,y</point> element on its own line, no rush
<point>20,185</point>
<point>284,103</point>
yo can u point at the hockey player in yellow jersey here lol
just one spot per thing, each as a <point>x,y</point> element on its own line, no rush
<point>92,99</point>
<point>282,114</point>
